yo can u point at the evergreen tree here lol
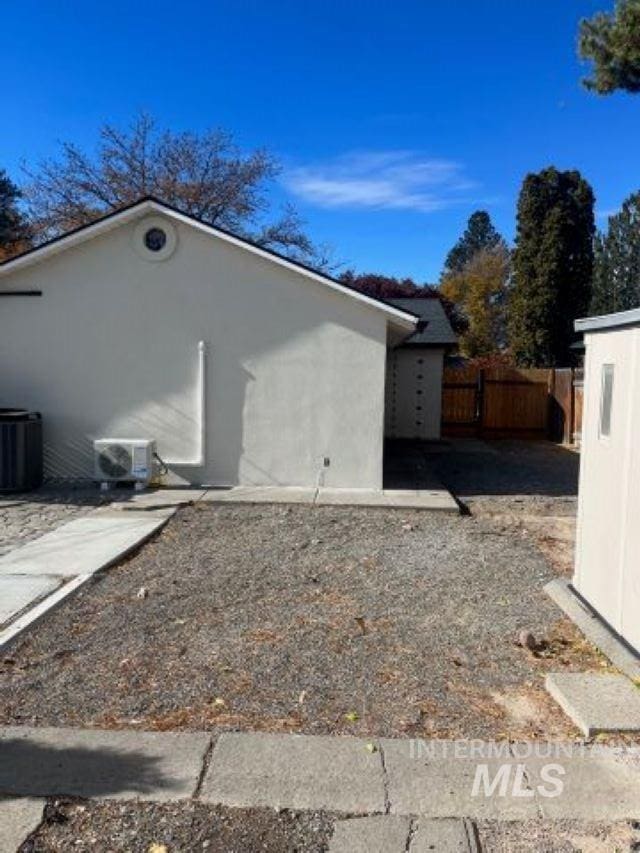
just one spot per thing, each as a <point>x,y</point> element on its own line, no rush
<point>479,234</point>
<point>603,299</point>
<point>552,266</point>
<point>13,232</point>
<point>612,43</point>
<point>616,274</point>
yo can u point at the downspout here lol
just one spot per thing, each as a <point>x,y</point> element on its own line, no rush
<point>199,461</point>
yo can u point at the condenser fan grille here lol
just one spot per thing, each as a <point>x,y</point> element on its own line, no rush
<point>115,461</point>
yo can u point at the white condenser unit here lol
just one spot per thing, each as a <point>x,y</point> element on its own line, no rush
<point>124,460</point>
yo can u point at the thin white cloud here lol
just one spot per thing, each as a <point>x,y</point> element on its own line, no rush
<point>377,180</point>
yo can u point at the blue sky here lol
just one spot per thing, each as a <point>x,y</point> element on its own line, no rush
<point>393,120</point>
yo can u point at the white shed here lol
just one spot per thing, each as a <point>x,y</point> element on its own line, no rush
<point>607,569</point>
<point>243,366</point>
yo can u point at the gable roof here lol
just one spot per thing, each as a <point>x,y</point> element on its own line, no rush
<point>149,204</point>
<point>437,329</point>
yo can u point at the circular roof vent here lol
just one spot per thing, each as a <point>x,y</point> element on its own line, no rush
<point>155,238</point>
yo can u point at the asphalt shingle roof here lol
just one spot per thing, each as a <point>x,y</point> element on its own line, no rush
<point>438,329</point>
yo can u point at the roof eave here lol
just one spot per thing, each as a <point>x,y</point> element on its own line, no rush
<point>401,318</point>
<point>608,321</point>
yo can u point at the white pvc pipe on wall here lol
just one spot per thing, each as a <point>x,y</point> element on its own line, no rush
<point>200,459</point>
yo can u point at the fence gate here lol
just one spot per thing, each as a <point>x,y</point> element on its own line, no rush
<point>505,402</point>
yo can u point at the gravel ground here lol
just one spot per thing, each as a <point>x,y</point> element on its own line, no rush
<point>522,488</point>
<point>311,619</point>
<point>188,827</point>
<point>177,828</point>
<point>24,517</point>
<point>560,836</point>
<point>534,470</point>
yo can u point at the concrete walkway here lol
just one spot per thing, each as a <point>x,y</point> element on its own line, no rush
<point>435,500</point>
<point>41,574</point>
<point>429,779</point>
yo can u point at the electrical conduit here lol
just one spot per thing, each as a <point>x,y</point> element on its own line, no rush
<point>199,461</point>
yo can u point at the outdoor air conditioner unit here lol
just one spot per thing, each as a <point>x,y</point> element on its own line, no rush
<point>124,460</point>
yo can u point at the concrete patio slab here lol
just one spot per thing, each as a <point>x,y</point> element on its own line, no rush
<point>435,499</point>
<point>438,782</point>
<point>158,498</point>
<point>438,500</point>
<point>18,819</point>
<point>84,546</point>
<point>19,591</point>
<point>296,772</point>
<point>447,835</point>
<point>594,629</point>
<point>378,834</point>
<point>119,765</point>
<point>261,494</point>
<point>597,702</point>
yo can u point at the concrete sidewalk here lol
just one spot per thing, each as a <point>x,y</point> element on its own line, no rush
<point>430,779</point>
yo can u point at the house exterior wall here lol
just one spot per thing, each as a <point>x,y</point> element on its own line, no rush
<point>608,542</point>
<point>295,371</point>
<point>414,392</point>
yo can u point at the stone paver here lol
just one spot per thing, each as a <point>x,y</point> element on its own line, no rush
<point>296,772</point>
<point>18,591</point>
<point>18,819</point>
<point>594,629</point>
<point>377,834</point>
<point>446,835</point>
<point>597,702</point>
<point>90,763</point>
<point>83,546</point>
<point>438,782</point>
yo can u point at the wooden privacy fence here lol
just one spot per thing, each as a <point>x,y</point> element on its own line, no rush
<point>504,402</point>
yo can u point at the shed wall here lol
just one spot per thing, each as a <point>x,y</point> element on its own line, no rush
<point>608,543</point>
<point>414,393</point>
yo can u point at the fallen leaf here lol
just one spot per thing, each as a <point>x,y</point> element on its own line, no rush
<point>371,747</point>
<point>351,717</point>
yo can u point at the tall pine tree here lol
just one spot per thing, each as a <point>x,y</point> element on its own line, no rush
<point>616,273</point>
<point>478,235</point>
<point>552,266</point>
<point>612,42</point>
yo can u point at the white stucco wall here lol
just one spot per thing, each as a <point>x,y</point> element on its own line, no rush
<point>608,544</point>
<point>414,393</point>
<point>295,371</point>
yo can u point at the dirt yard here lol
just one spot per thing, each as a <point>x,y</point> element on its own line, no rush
<point>309,619</point>
<point>185,827</point>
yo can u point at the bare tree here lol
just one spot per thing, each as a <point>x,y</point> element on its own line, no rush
<point>203,175</point>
